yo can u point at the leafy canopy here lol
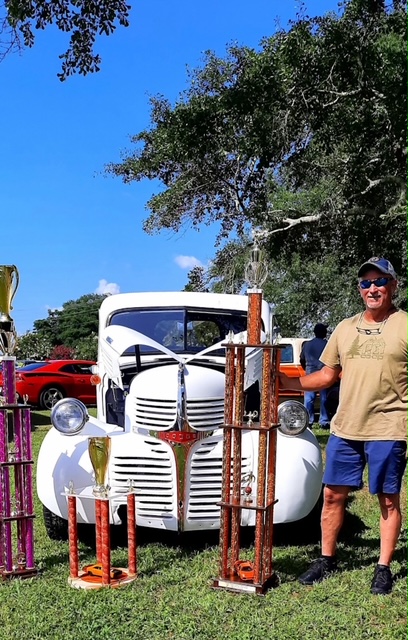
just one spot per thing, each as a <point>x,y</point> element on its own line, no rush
<point>84,20</point>
<point>303,139</point>
<point>72,329</point>
<point>312,126</point>
<point>76,320</point>
<point>33,345</point>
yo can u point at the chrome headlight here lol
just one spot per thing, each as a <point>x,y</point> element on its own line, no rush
<point>293,418</point>
<point>69,416</point>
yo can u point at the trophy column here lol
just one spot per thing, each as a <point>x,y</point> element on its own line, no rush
<point>234,497</point>
<point>16,484</point>
<point>235,574</point>
<point>100,574</point>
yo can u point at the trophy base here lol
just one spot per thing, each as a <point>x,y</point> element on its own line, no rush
<point>86,581</point>
<point>18,573</point>
<point>234,584</point>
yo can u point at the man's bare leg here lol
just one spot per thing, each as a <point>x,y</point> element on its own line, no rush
<point>334,507</point>
<point>332,518</point>
<point>390,525</point>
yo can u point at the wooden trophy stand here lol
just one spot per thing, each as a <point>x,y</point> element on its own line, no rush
<point>108,577</point>
<point>16,484</point>
<point>232,501</point>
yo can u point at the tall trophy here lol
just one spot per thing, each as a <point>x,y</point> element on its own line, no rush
<point>16,498</point>
<point>233,572</point>
<point>99,453</point>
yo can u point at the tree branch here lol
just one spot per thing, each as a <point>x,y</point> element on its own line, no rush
<point>338,94</point>
<point>263,234</point>
<point>374,183</point>
<point>396,210</point>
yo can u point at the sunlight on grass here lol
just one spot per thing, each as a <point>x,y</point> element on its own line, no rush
<point>173,598</point>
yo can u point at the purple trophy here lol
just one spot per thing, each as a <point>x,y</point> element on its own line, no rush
<point>16,482</point>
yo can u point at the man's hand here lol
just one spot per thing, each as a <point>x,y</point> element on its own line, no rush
<point>288,384</point>
<point>311,382</point>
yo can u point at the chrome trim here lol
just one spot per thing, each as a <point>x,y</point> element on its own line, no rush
<point>181,417</point>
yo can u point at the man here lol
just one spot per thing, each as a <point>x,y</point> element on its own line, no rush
<point>310,361</point>
<point>370,425</point>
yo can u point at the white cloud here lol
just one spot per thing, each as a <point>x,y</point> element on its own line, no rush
<point>105,287</point>
<point>187,262</point>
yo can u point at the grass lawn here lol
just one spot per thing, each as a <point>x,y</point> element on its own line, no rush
<point>173,599</point>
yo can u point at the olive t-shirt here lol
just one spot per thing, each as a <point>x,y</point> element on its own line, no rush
<point>373,388</point>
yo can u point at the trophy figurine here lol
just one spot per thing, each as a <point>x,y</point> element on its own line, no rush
<point>9,279</point>
<point>99,452</point>
<point>249,479</point>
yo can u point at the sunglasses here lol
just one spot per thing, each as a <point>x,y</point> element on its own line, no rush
<point>378,282</point>
<point>370,332</point>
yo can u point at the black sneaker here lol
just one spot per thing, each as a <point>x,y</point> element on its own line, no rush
<point>382,581</point>
<point>319,570</point>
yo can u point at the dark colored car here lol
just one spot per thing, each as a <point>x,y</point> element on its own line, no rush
<point>44,383</point>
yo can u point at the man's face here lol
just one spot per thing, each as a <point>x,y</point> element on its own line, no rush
<point>377,298</point>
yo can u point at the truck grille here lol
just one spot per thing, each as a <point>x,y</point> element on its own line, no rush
<point>205,480</point>
<point>206,414</point>
<point>153,414</point>
<point>152,478</point>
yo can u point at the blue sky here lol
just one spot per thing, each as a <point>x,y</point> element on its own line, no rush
<point>70,229</point>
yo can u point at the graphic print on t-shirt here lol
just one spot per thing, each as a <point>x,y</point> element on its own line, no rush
<point>371,348</point>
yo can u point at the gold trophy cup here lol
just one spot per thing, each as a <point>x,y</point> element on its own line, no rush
<point>9,280</point>
<point>99,453</point>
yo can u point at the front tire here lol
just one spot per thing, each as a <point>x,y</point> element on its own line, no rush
<point>56,527</point>
<point>50,396</point>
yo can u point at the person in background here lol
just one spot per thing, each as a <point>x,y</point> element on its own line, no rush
<point>370,424</point>
<point>310,361</point>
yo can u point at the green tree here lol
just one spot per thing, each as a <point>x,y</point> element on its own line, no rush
<point>77,320</point>
<point>312,126</point>
<point>87,348</point>
<point>48,327</point>
<point>304,138</point>
<point>197,280</point>
<point>303,291</point>
<point>84,20</point>
<point>33,345</point>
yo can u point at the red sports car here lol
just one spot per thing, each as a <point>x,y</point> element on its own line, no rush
<point>44,383</point>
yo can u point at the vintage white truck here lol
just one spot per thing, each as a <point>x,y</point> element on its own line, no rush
<point>160,398</point>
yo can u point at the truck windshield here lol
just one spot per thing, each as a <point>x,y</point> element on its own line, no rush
<point>181,330</point>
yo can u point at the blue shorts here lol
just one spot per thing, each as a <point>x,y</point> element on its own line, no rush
<point>346,460</point>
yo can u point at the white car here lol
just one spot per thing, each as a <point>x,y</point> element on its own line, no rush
<point>161,400</point>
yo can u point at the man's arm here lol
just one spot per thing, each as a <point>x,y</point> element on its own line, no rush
<point>312,382</point>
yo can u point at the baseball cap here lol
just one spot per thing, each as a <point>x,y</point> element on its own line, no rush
<point>381,264</point>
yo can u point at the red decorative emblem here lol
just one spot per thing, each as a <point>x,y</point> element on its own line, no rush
<point>178,436</point>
